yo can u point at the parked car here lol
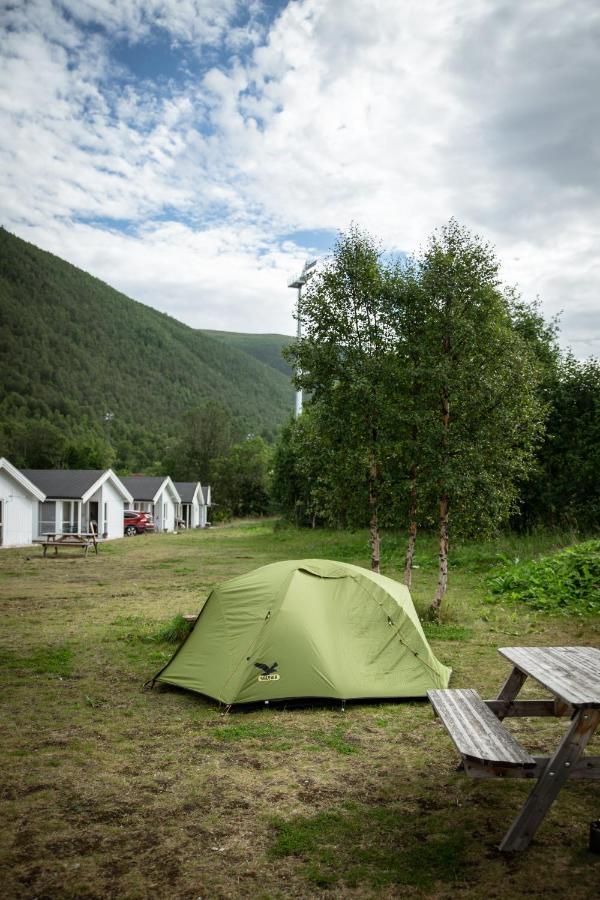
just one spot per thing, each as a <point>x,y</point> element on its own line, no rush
<point>135,522</point>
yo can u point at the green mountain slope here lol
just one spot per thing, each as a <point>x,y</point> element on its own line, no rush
<point>264,347</point>
<point>72,348</point>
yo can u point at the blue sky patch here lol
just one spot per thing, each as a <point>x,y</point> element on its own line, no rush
<point>321,240</point>
<point>157,59</point>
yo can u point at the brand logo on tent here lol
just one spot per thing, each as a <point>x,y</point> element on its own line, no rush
<point>269,673</point>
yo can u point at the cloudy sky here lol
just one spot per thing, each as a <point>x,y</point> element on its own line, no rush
<point>193,153</point>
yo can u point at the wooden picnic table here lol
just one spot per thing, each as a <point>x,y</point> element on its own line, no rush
<point>572,676</point>
<point>85,540</point>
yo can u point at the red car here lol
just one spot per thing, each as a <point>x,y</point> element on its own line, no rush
<point>135,522</point>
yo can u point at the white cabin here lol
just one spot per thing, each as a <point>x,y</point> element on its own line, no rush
<point>206,495</point>
<point>19,499</point>
<point>156,495</point>
<point>79,500</point>
<point>192,503</point>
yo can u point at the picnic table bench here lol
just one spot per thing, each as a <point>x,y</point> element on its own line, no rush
<point>58,541</point>
<point>488,750</point>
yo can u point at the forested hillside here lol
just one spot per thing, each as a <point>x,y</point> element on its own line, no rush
<point>73,349</point>
<point>264,347</point>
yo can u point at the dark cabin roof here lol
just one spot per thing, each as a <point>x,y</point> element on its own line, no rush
<point>143,487</point>
<point>67,484</point>
<point>186,490</point>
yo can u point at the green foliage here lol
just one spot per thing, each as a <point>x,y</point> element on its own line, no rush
<point>93,452</point>
<point>204,435</point>
<point>314,480</point>
<point>242,479</point>
<point>566,582</point>
<point>471,361</point>
<point>38,444</point>
<point>72,349</point>
<point>267,348</point>
<point>291,493</point>
<point>570,390</point>
<point>565,488</point>
<point>425,406</point>
<point>345,361</point>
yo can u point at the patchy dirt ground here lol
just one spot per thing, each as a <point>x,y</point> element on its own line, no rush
<point>113,791</point>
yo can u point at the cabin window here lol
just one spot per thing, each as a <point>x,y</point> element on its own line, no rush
<point>70,517</point>
<point>47,517</point>
<point>105,520</point>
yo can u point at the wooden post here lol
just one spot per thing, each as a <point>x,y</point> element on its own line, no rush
<point>550,782</point>
<point>510,689</point>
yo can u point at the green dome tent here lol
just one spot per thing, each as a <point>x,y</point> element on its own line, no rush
<point>306,628</point>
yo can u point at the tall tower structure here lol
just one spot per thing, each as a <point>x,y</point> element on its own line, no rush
<point>299,283</point>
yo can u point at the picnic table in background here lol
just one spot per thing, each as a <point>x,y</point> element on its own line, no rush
<point>488,750</point>
<point>85,540</point>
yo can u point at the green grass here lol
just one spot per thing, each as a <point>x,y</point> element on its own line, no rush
<point>172,632</point>
<point>437,631</point>
<point>113,790</point>
<point>357,844</point>
<point>249,731</point>
<point>41,661</point>
<point>337,740</point>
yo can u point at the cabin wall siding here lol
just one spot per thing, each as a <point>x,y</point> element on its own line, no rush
<point>19,512</point>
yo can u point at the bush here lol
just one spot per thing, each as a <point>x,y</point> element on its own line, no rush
<point>567,582</point>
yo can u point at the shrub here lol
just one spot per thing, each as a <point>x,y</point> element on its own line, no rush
<point>567,582</point>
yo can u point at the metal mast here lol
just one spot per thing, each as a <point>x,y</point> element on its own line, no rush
<point>299,283</point>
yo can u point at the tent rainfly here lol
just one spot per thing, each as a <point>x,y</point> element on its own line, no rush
<point>306,628</point>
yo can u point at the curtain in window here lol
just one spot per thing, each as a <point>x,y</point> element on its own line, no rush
<point>47,517</point>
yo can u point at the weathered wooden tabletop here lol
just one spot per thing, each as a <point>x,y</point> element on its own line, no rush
<point>570,673</point>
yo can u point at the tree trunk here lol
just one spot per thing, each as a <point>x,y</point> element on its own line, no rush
<point>374,520</point>
<point>412,528</point>
<point>410,552</point>
<point>375,542</point>
<point>443,559</point>
<point>436,603</point>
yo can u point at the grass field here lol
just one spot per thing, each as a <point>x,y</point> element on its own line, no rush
<point>113,791</point>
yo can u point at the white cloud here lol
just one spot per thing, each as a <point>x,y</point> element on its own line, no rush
<point>196,21</point>
<point>204,278</point>
<point>395,116</point>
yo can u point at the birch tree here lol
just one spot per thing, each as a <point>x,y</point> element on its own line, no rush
<point>480,415</point>
<point>406,321</point>
<point>344,361</point>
